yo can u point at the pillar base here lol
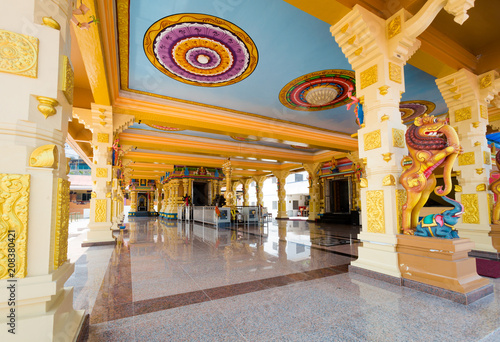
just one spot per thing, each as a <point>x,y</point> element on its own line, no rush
<point>378,254</point>
<point>441,263</point>
<point>99,235</point>
<point>44,309</point>
<point>495,236</point>
<point>481,236</point>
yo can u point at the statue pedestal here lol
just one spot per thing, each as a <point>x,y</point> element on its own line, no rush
<point>441,267</point>
<point>495,236</point>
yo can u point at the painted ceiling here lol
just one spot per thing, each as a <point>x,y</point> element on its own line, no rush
<point>274,43</point>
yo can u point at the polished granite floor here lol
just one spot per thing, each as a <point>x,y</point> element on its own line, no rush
<point>284,281</point>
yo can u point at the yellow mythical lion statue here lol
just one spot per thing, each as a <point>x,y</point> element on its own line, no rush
<point>431,143</point>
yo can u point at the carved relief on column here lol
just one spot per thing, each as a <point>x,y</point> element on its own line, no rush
<point>14,204</point>
<point>62,222</point>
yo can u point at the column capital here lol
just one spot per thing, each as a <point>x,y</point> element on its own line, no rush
<point>464,86</point>
<point>313,169</point>
<point>281,174</point>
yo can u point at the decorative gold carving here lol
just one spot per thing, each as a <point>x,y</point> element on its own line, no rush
<point>68,167</point>
<point>484,111</point>
<point>450,81</point>
<point>363,125</point>
<point>18,54</point>
<point>344,28</point>
<point>384,117</point>
<point>389,180</point>
<point>108,195</point>
<point>458,188</point>
<point>477,143</point>
<point>45,156</point>
<point>51,22</point>
<point>358,51</point>
<point>394,27</point>
<point>466,159</point>
<point>14,203</point>
<point>454,89</point>
<point>103,137</point>
<point>395,74</point>
<point>62,222</point>
<point>485,81</point>
<point>352,40</point>
<point>398,138</point>
<point>100,210</point>
<point>487,157</point>
<point>383,90</point>
<point>400,201</point>
<point>481,187</point>
<point>369,76</point>
<point>363,182</point>
<point>458,173</point>
<point>47,106</point>
<point>365,161</point>
<point>101,172</point>
<point>387,156</point>
<point>480,171</point>
<point>463,114</point>
<point>471,207</point>
<point>457,97</point>
<point>372,140</point>
<point>93,194</point>
<point>375,211</point>
<point>476,124</point>
<point>67,79</point>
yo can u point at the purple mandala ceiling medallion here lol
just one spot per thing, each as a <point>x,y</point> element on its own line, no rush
<point>200,50</point>
<point>412,109</point>
<point>319,90</point>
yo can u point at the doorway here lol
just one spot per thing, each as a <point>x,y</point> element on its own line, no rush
<point>200,193</point>
<point>339,196</point>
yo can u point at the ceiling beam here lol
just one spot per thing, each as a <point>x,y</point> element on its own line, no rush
<point>91,47</point>
<point>196,145</point>
<point>170,159</point>
<point>187,116</point>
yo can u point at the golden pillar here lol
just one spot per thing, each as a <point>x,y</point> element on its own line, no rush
<point>229,195</point>
<point>313,170</point>
<point>133,201</point>
<point>259,184</point>
<point>281,182</point>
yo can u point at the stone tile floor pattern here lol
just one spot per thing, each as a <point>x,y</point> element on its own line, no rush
<point>288,281</point>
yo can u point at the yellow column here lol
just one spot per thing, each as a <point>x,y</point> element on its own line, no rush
<point>377,50</point>
<point>102,173</point>
<point>312,170</point>
<point>467,96</point>
<point>37,83</point>
<point>229,195</point>
<point>133,201</point>
<point>246,195</point>
<point>185,186</point>
<point>259,184</point>
<point>281,182</point>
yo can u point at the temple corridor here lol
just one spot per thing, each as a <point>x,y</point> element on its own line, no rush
<point>285,281</point>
